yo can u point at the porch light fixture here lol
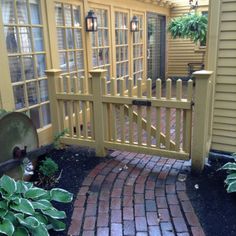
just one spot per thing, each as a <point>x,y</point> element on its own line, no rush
<point>192,4</point>
<point>91,22</point>
<point>134,24</point>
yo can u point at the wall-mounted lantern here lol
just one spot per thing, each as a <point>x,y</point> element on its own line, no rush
<point>134,24</point>
<point>91,22</point>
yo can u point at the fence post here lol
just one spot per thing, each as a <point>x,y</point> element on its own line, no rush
<point>98,118</point>
<point>200,120</point>
<point>52,76</point>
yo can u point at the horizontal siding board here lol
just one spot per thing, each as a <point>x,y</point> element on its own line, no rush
<point>224,120</point>
<point>224,140</point>
<point>222,126</point>
<point>230,79</point>
<point>228,16</point>
<point>225,105</point>
<point>227,62</point>
<point>223,147</point>
<point>227,44</point>
<point>227,53</point>
<point>229,88</point>
<point>225,113</point>
<point>226,71</point>
<point>224,133</point>
<point>231,97</point>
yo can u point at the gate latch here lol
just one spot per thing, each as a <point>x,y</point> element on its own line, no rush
<point>142,103</point>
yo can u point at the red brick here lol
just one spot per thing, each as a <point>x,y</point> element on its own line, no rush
<point>167,228</point>
<point>154,231</point>
<point>115,203</point>
<point>161,202</point>
<point>181,186</point>
<point>104,195</point>
<point>160,192</point>
<point>187,206</point>
<point>170,188</point>
<point>91,210</point>
<point>180,225</point>
<point>129,227</point>
<point>128,201</point>
<point>192,219</point>
<point>103,206</point>
<point>102,219</point>
<point>150,205</point>
<point>152,218</point>
<point>88,181</point>
<point>175,211</point>
<point>183,234</point>
<point>115,216</point>
<point>80,201</point>
<point>139,198</point>
<point>182,196</point>
<point>92,198</point>
<point>197,231</point>
<point>141,234</point>
<point>88,233</point>
<point>172,199</point>
<point>164,214</point>
<point>116,192</point>
<point>83,191</point>
<point>102,231</point>
<point>78,213</point>
<point>75,227</point>
<point>116,229</point>
<point>128,190</point>
<point>139,188</point>
<point>128,213</point>
<point>141,223</point>
<point>149,194</point>
<point>139,210</point>
<point>89,223</point>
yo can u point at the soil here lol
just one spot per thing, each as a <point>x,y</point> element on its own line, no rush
<point>75,164</point>
<point>215,207</point>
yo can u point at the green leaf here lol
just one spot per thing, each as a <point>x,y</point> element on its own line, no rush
<point>21,187</point>
<point>40,231</point>
<point>229,166</point>
<point>20,231</point>
<point>61,195</point>
<point>231,176</point>
<point>3,205</point>
<point>3,212</point>
<point>8,184</point>
<point>35,193</point>
<point>32,222</point>
<point>41,218</point>
<point>55,214</point>
<point>6,227</point>
<point>57,224</point>
<point>25,206</point>
<point>11,216</point>
<point>232,187</point>
<point>42,204</point>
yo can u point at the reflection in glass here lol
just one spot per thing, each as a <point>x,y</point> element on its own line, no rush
<point>8,13</point>
<point>60,38</point>
<point>19,97</point>
<point>58,13</point>
<point>80,60</point>
<point>25,43</point>
<point>34,115</point>
<point>63,64</point>
<point>38,39</point>
<point>46,114</point>
<point>69,39</point>
<point>78,38</point>
<point>35,12</point>
<point>32,93</point>
<point>28,63</point>
<point>15,69</point>
<point>43,88</point>
<point>76,13</point>
<point>71,61</point>
<point>22,13</point>
<point>67,15</point>
<point>41,65</point>
<point>11,39</point>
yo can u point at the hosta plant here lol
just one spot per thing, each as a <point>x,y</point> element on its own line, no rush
<point>27,210</point>
<point>231,175</point>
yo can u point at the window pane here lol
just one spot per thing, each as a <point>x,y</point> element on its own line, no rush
<point>19,97</point>
<point>22,11</point>
<point>8,13</point>
<point>38,39</point>
<point>43,88</point>
<point>11,39</point>
<point>71,61</point>
<point>41,65</point>
<point>34,12</point>
<point>25,43</point>
<point>69,39</point>
<point>76,12</point>
<point>78,38</point>
<point>60,38</point>
<point>46,114</point>
<point>59,18</point>
<point>28,63</point>
<point>32,93</point>
<point>15,69</point>
<point>63,64</point>
<point>67,14</point>
<point>34,115</point>
<point>80,60</point>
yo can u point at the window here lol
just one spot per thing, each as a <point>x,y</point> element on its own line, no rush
<point>23,31</point>
<point>69,37</point>
<point>100,42</point>
<point>121,38</point>
<point>202,44</point>
<point>138,51</point>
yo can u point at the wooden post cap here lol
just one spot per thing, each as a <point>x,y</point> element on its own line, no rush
<point>203,73</point>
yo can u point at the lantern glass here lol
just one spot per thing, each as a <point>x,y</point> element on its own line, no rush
<point>134,24</point>
<point>91,22</point>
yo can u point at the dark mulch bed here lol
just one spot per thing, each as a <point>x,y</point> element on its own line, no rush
<point>75,164</point>
<point>215,208</point>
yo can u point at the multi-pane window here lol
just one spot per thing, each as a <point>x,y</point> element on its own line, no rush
<point>121,37</point>
<point>23,31</point>
<point>138,51</point>
<point>100,42</point>
<point>69,38</point>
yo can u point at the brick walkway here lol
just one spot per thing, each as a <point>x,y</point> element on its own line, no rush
<point>135,194</point>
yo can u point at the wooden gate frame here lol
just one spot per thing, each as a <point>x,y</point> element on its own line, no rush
<point>97,100</point>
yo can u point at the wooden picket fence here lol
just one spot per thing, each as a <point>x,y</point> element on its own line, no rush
<point>107,116</point>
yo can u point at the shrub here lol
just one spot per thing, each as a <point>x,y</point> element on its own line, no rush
<point>230,180</point>
<point>27,210</point>
<point>48,167</point>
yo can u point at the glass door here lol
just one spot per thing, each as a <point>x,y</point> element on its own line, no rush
<point>156,25</point>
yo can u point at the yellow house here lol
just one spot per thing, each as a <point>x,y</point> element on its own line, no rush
<point>38,35</point>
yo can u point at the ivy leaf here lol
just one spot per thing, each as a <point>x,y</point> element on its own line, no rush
<point>6,227</point>
<point>61,195</point>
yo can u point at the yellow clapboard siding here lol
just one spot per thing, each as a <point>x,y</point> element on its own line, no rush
<point>227,53</point>
<point>227,44</point>
<point>225,133</point>
<point>229,88</point>
<point>226,79</point>
<point>229,16</point>
<point>224,140</point>
<point>225,104</point>
<point>224,120</point>
<point>226,71</point>
<point>225,113</point>
<point>220,126</point>
<point>226,62</point>
<point>228,35</point>
<point>231,97</point>
<point>223,147</point>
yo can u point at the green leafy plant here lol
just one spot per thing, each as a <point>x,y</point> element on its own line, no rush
<point>57,137</point>
<point>46,173</point>
<point>192,26</point>
<point>230,180</point>
<point>27,210</point>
